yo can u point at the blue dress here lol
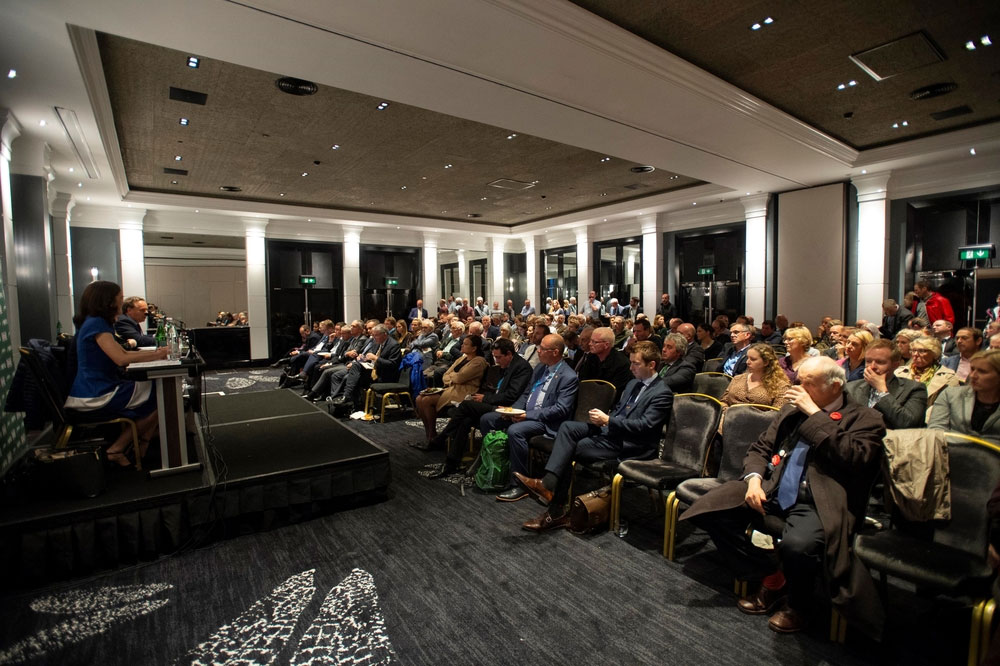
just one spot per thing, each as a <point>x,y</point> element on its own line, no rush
<point>99,389</point>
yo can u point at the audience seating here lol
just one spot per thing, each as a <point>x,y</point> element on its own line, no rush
<point>742,425</point>
<point>952,560</point>
<point>389,392</point>
<point>591,394</point>
<point>711,383</point>
<point>713,364</point>
<point>64,421</point>
<point>683,453</point>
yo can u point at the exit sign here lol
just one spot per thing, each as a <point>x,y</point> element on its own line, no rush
<point>392,282</point>
<point>976,252</point>
<point>307,279</point>
<point>706,270</point>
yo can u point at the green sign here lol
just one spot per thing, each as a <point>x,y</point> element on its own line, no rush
<point>392,282</point>
<point>972,255</point>
<point>307,279</point>
<point>706,270</point>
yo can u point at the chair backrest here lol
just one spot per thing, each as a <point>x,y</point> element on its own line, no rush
<point>974,469</point>
<point>711,383</point>
<point>693,424</point>
<point>742,425</point>
<point>492,376</point>
<point>779,350</point>
<point>713,364</point>
<point>50,392</point>
<point>593,394</point>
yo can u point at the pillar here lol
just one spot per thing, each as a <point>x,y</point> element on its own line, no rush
<point>432,291</point>
<point>464,288</point>
<point>652,260</point>
<point>62,204</point>
<point>496,290</point>
<point>133,251</point>
<point>531,270</point>
<point>755,266</point>
<point>10,130</point>
<point>873,244</point>
<point>352,273</point>
<point>254,233</point>
<point>583,276</point>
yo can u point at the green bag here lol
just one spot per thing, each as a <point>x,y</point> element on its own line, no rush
<point>494,462</point>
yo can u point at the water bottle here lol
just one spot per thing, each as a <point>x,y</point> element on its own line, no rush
<point>172,340</point>
<point>161,334</point>
<point>58,330</point>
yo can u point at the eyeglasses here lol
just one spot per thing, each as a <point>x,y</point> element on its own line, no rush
<point>543,349</point>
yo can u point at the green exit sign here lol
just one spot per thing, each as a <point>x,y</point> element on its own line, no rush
<point>706,270</point>
<point>392,282</point>
<point>307,279</point>
<point>976,253</point>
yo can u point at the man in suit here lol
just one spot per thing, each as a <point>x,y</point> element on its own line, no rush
<point>384,359</point>
<point>333,370</point>
<point>297,368</point>
<point>127,325</point>
<point>768,333</point>
<point>509,311</point>
<point>677,371</point>
<point>642,330</point>
<point>605,362</point>
<point>894,318</point>
<point>426,340</point>
<point>968,341</point>
<point>666,308</point>
<point>548,400</point>
<point>943,332</point>
<point>734,354</point>
<point>632,430</point>
<point>694,352</point>
<point>808,476</point>
<point>309,340</point>
<point>416,312</point>
<point>615,310</point>
<point>902,402</point>
<point>529,349</point>
<point>466,416</point>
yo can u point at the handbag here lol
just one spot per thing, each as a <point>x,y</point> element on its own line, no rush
<point>591,511</point>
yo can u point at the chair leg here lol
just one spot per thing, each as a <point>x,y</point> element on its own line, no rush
<point>670,525</point>
<point>616,496</point>
<point>386,397</point>
<point>838,626</point>
<point>368,400</point>
<point>63,440</point>
<point>979,627</point>
<point>986,628</point>
<point>740,588</point>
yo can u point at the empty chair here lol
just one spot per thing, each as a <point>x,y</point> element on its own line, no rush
<point>389,393</point>
<point>712,365</point>
<point>741,426</point>
<point>711,383</point>
<point>683,453</point>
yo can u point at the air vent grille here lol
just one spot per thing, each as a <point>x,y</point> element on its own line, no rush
<point>509,184</point>
<point>175,172</point>
<point>952,112</point>
<point>189,96</point>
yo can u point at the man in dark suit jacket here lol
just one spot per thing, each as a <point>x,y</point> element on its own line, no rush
<point>808,476</point>
<point>334,371</point>
<point>385,358</point>
<point>694,354</point>
<point>548,400</point>
<point>632,430</point>
<point>902,402</point>
<point>677,372</point>
<point>734,354</point>
<point>418,311</point>
<point>127,324</point>
<point>466,416</point>
<point>605,362</point>
<point>894,318</point>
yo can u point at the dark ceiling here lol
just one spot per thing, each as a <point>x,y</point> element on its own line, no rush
<point>401,160</point>
<point>797,61</point>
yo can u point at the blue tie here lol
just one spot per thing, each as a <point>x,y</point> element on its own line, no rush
<point>795,465</point>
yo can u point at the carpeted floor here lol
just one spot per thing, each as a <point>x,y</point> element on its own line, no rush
<point>430,576</point>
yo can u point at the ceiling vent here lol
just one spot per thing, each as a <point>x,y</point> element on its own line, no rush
<point>636,186</point>
<point>189,96</point>
<point>901,55</point>
<point>175,172</point>
<point>293,86</point>
<point>508,184</point>
<point>230,188</point>
<point>642,169</point>
<point>953,112</point>
<point>933,90</point>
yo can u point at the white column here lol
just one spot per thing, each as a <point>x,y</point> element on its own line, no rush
<point>10,129</point>
<point>254,233</point>
<point>873,244</point>
<point>652,264</point>
<point>496,291</point>
<point>61,206</point>
<point>583,276</point>
<point>463,278</point>
<point>352,273</point>
<point>756,255</point>
<point>531,267</point>
<point>133,254</point>
<point>432,291</point>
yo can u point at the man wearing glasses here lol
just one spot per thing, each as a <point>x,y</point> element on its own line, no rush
<point>735,353</point>
<point>547,400</point>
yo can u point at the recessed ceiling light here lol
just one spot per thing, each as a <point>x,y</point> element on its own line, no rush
<point>605,159</point>
<point>11,73</point>
<point>482,198</point>
<point>694,203</point>
<point>71,169</point>
<point>42,123</point>
<point>604,194</point>
<point>130,205</point>
<point>447,166</point>
<point>403,187</point>
<point>88,198</point>
<point>972,151</point>
<point>397,227</point>
<point>305,173</point>
<point>335,146</point>
<point>196,210</point>
<point>768,21</point>
<point>985,40</point>
<point>842,86</point>
<point>309,219</point>
<point>193,62</point>
<point>510,136</point>
<point>173,182</point>
<point>79,184</point>
<point>177,158</point>
<point>183,121</point>
<point>864,171</point>
<point>444,211</point>
<point>383,106</point>
<point>605,219</point>
<point>281,194</point>
<point>755,26</point>
<point>970,45</point>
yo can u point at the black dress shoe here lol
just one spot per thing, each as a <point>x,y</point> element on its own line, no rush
<point>546,522</point>
<point>787,621</point>
<point>762,602</point>
<point>447,469</point>
<point>512,494</point>
<point>339,400</point>
<point>421,444</point>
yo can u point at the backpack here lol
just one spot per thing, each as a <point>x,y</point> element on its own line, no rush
<point>494,462</point>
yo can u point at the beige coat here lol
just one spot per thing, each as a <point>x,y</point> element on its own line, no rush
<point>461,383</point>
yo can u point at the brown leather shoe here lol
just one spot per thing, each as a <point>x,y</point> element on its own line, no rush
<point>762,602</point>
<point>535,488</point>
<point>546,522</point>
<point>787,621</point>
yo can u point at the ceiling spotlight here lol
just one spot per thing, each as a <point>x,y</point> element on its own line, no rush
<point>605,159</point>
<point>511,136</point>
<point>305,173</point>
<point>403,187</point>
<point>895,126</point>
<point>694,203</point>
<point>447,166</point>
<point>196,210</point>
<point>755,26</point>
<point>193,62</point>
<point>79,184</point>
<point>335,146</point>
<point>42,123</point>
<point>177,158</point>
<point>852,83</point>
<point>281,194</point>
<point>482,198</point>
<point>985,40</point>
<point>972,151</point>
<point>88,198</point>
<point>768,21</point>
<point>383,106</point>
<point>173,182</point>
<point>71,169</point>
<point>605,219</point>
<point>864,171</point>
<point>309,219</point>
<point>183,121</point>
<point>11,73</point>
<point>604,194</point>
<point>842,86</point>
<point>970,45</point>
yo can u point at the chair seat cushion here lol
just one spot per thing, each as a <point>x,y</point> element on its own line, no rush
<point>923,562</point>
<point>542,443</point>
<point>389,387</point>
<point>692,489</point>
<point>657,473</point>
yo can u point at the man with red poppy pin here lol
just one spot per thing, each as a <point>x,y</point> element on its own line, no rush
<point>806,481</point>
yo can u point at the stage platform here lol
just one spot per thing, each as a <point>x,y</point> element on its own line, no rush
<point>271,458</point>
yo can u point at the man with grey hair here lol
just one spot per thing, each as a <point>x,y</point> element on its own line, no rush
<point>806,478</point>
<point>605,362</point>
<point>676,372</point>
<point>894,318</point>
<point>378,365</point>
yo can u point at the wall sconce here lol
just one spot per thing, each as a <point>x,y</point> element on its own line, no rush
<point>93,273</point>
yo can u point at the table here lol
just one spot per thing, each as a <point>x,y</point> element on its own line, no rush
<point>169,381</point>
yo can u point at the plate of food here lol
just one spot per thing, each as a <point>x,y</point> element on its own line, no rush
<point>432,391</point>
<point>511,411</point>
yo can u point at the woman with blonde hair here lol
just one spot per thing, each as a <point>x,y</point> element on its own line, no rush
<point>797,341</point>
<point>972,409</point>
<point>902,341</point>
<point>925,367</point>
<point>853,362</point>
<point>764,382</point>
